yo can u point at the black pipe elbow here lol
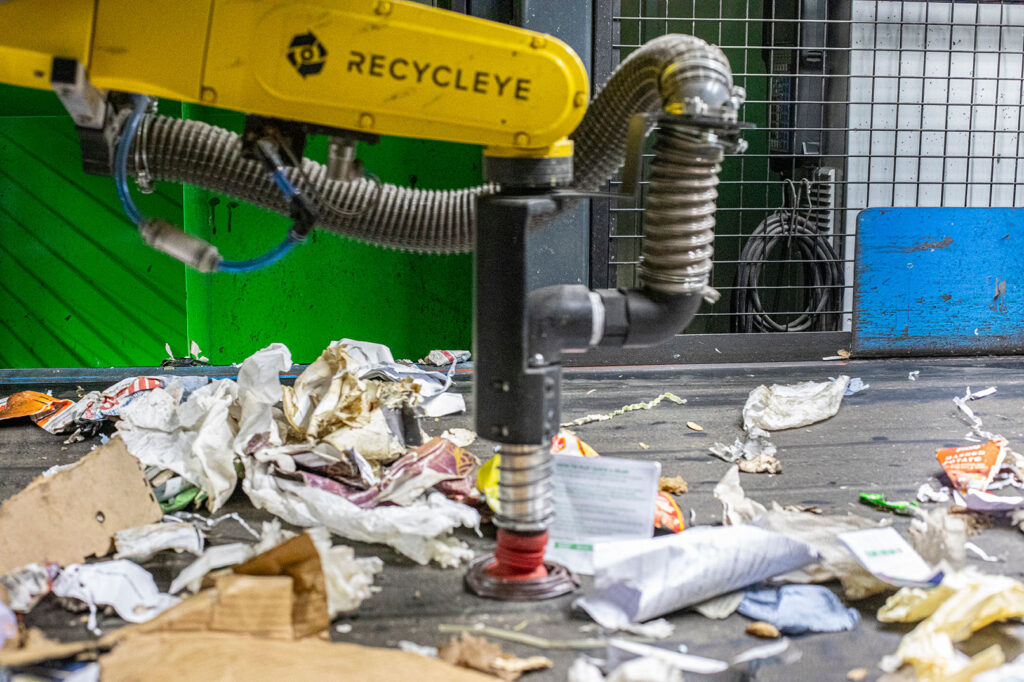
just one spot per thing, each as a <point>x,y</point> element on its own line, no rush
<point>655,317</point>
<point>571,318</point>
<point>636,318</point>
<point>560,319</point>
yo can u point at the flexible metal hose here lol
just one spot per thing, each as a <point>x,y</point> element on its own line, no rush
<point>679,220</point>
<point>671,69</point>
<point>207,156</point>
<point>668,70</point>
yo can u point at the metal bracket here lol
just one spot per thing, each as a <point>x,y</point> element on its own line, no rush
<point>85,102</point>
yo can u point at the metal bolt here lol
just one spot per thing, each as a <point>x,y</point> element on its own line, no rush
<point>505,431</point>
<point>579,99</point>
<point>522,139</point>
<point>209,95</point>
<point>383,7</point>
<point>537,360</point>
<point>537,42</point>
<point>365,120</point>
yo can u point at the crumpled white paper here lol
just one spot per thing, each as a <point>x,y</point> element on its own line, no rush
<point>790,406</point>
<point>142,542</point>
<point>193,439</point>
<point>939,536</point>
<point>219,556</point>
<point>125,586</point>
<point>623,650</point>
<point>26,586</point>
<point>756,444</point>
<point>437,400</point>
<point>819,531</point>
<point>637,580</point>
<point>781,407</point>
<point>984,501</point>
<point>413,530</point>
<point>349,580</point>
<point>222,556</point>
<point>926,493</point>
<point>259,389</point>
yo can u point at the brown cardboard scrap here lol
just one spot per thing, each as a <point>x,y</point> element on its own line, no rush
<point>278,594</point>
<point>167,656</point>
<point>74,513</point>
<point>479,654</point>
<point>673,485</point>
<point>763,630</point>
<point>763,463</point>
<point>258,605</point>
<point>34,647</point>
<point>298,559</point>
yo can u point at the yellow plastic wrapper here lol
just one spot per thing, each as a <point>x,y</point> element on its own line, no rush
<point>962,604</point>
<point>487,481</point>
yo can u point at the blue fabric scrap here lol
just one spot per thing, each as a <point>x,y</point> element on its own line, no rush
<point>796,609</point>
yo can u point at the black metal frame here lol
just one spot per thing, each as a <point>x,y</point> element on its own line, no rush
<point>878,168</point>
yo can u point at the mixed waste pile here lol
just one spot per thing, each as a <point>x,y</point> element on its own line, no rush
<point>342,454</point>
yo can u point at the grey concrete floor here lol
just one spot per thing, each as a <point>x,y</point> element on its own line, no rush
<point>883,440</point>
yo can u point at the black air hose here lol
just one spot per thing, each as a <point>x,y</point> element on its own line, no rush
<point>822,271</point>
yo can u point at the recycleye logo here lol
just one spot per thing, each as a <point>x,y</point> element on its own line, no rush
<point>307,54</point>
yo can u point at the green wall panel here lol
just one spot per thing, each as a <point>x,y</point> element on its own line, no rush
<point>330,287</point>
<point>78,288</point>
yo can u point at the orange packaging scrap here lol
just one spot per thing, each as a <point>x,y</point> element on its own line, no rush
<point>972,466</point>
<point>39,406</point>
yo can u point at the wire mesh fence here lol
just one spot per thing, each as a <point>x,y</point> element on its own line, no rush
<point>854,104</point>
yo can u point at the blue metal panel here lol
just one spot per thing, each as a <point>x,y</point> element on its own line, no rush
<point>939,281</point>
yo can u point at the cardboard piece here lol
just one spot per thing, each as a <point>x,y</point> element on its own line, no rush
<point>258,605</point>
<point>160,657</point>
<point>74,513</point>
<point>34,647</point>
<point>478,653</point>
<point>278,594</point>
<point>298,559</point>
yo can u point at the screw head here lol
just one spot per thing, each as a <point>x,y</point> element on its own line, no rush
<point>383,7</point>
<point>521,139</point>
<point>537,42</point>
<point>366,120</point>
<point>579,99</point>
<point>208,95</point>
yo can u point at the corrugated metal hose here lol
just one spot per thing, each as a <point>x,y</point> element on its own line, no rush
<point>670,69</point>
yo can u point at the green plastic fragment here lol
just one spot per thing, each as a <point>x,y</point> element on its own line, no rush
<point>878,501</point>
<point>180,501</point>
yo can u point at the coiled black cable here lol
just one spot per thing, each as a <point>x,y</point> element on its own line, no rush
<point>795,231</point>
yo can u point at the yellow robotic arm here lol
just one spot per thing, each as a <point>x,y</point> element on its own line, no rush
<point>374,66</point>
<point>359,68</point>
